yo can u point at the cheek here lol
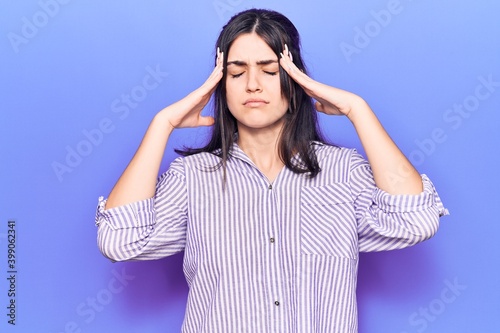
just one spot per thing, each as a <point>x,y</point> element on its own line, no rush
<point>230,92</point>
<point>234,86</point>
<point>275,87</point>
<point>275,90</point>
<point>284,105</point>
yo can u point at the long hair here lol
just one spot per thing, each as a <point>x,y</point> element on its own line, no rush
<point>300,125</point>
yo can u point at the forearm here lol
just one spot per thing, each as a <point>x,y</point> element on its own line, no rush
<point>138,181</point>
<point>392,171</point>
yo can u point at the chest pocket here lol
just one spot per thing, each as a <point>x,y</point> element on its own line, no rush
<point>327,221</point>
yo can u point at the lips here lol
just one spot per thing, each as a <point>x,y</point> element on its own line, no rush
<point>255,102</point>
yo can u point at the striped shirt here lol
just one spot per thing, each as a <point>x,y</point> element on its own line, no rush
<point>262,257</point>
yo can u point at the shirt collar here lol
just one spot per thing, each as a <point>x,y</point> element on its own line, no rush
<point>236,152</point>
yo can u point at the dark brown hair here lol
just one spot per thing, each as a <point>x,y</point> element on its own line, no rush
<point>300,127</point>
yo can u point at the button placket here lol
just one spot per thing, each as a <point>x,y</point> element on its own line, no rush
<point>274,255</point>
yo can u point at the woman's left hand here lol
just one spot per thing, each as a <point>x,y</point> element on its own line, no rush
<point>386,160</point>
<point>329,100</point>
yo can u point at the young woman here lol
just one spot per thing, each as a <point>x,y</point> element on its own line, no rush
<point>271,218</point>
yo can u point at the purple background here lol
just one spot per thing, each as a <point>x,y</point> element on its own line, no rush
<point>66,64</point>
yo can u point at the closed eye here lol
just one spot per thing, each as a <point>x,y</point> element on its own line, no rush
<point>234,76</point>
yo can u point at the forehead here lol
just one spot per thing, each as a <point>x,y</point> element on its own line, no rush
<point>250,48</point>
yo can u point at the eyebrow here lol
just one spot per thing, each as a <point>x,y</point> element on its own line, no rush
<point>244,64</point>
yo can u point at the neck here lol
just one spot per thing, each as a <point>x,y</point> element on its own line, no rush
<point>261,146</point>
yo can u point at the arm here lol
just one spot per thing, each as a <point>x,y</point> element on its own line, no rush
<point>138,181</point>
<point>392,171</point>
<point>148,229</point>
<point>395,207</point>
<point>386,221</point>
<point>145,217</point>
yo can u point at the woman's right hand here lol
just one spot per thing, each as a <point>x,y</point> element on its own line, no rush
<point>187,111</point>
<point>138,181</point>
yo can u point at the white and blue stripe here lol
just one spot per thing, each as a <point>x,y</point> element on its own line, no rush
<point>260,257</point>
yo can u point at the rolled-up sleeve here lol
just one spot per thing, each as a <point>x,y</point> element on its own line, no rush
<point>149,229</point>
<point>386,221</point>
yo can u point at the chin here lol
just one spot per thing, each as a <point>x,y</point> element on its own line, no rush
<point>261,122</point>
<point>259,118</point>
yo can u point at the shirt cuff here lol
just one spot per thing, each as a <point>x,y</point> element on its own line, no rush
<point>133,215</point>
<point>401,203</point>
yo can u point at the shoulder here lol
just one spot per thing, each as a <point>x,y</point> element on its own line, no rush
<point>327,153</point>
<point>196,162</point>
<point>338,163</point>
<point>181,167</point>
<point>200,159</point>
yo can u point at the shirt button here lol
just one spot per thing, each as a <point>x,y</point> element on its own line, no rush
<point>277,303</point>
<point>271,239</point>
<point>270,186</point>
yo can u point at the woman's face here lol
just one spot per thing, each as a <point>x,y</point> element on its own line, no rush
<point>253,89</point>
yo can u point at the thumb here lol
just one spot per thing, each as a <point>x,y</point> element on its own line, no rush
<point>206,121</point>
<point>319,107</point>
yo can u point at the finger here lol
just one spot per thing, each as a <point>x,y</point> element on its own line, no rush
<point>220,57</point>
<point>217,73</point>
<point>319,107</point>
<point>218,64</point>
<point>297,75</point>
<point>332,110</point>
<point>288,53</point>
<point>287,56</point>
<point>286,62</point>
<point>289,66</point>
<point>206,121</point>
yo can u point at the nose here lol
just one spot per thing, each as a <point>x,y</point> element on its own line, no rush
<point>253,84</point>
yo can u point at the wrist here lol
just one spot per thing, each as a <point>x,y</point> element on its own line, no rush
<point>163,120</point>
<point>359,109</point>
